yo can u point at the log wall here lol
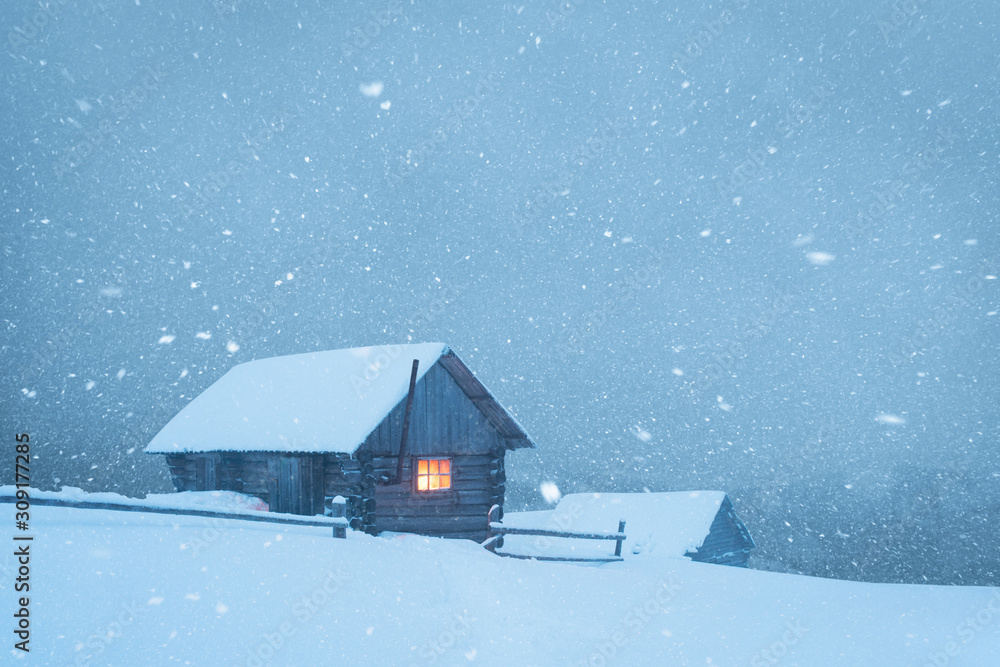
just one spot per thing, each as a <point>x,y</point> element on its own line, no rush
<point>728,542</point>
<point>291,483</point>
<point>477,483</point>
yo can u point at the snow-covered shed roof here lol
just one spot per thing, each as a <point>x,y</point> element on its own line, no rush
<point>660,525</point>
<point>316,402</point>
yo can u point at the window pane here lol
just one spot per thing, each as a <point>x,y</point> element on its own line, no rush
<point>433,474</point>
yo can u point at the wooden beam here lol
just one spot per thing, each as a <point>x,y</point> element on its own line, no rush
<point>608,559</point>
<point>268,517</point>
<point>406,421</point>
<point>432,524</point>
<point>338,510</point>
<point>621,537</point>
<point>385,510</point>
<point>500,529</point>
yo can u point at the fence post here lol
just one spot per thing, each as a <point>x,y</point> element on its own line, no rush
<point>621,536</point>
<point>489,529</point>
<point>338,509</point>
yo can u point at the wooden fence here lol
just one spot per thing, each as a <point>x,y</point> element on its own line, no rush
<point>496,530</point>
<point>339,524</point>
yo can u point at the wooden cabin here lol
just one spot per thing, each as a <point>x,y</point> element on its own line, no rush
<point>406,433</point>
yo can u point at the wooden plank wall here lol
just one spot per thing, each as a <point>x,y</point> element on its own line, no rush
<point>725,544</point>
<point>289,483</point>
<point>472,387</point>
<point>443,419</point>
<point>269,476</point>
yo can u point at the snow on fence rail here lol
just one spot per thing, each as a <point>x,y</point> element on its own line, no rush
<point>496,530</point>
<point>338,523</point>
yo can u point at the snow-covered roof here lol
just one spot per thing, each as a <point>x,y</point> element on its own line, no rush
<point>662,525</point>
<point>317,402</point>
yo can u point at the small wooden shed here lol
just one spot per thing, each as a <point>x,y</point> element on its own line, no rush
<point>700,525</point>
<point>728,541</point>
<point>299,430</point>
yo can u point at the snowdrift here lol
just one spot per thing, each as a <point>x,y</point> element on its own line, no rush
<point>114,588</point>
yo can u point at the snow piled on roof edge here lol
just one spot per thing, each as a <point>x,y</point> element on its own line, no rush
<point>308,403</point>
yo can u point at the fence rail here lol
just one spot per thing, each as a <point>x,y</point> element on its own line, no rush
<point>268,517</point>
<point>496,530</point>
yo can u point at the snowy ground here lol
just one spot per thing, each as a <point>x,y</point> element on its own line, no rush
<point>112,588</point>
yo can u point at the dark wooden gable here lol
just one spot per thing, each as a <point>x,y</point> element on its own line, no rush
<point>728,541</point>
<point>443,421</point>
<point>505,425</point>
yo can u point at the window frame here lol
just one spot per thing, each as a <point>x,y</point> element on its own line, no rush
<point>432,492</point>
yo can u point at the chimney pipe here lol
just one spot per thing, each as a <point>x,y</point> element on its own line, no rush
<point>406,423</point>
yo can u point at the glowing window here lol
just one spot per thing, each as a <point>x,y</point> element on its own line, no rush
<point>433,474</point>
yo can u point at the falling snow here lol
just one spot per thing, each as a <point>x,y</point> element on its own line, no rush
<point>743,246</point>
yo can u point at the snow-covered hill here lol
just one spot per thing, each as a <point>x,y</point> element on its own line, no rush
<point>113,588</point>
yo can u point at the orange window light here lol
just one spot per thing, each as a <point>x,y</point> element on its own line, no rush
<point>433,474</point>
